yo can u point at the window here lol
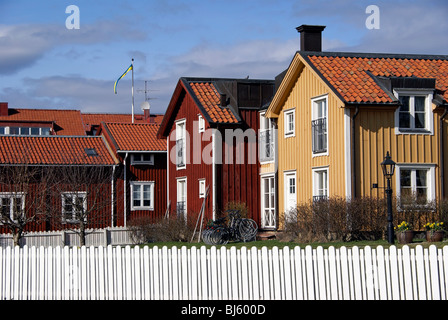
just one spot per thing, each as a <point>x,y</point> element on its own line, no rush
<point>142,195</point>
<point>266,139</point>
<point>181,205</point>
<point>181,155</point>
<point>320,184</point>
<point>74,206</point>
<point>25,131</point>
<point>142,158</point>
<point>319,125</point>
<point>289,123</point>
<point>414,114</point>
<point>12,205</point>
<point>416,184</point>
<point>201,188</point>
<point>201,123</point>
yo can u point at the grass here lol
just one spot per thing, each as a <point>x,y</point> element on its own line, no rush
<point>275,243</point>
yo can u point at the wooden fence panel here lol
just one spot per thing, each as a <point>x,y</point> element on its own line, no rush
<point>134,273</point>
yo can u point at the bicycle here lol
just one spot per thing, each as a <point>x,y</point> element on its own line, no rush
<point>238,229</point>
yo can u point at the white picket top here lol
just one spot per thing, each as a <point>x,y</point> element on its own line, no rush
<point>143,273</point>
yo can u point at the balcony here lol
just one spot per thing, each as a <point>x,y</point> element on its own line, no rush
<point>266,146</point>
<point>319,133</point>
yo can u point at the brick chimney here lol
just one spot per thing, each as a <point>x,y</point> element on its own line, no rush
<point>3,109</point>
<point>310,37</point>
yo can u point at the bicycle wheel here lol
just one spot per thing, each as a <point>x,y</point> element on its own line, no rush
<point>247,230</point>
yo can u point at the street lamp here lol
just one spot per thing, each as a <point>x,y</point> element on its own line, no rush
<point>388,167</point>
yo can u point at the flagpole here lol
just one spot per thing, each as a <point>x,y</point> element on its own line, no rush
<point>132,90</point>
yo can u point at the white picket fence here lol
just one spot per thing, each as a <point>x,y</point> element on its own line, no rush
<point>94,237</point>
<point>124,273</point>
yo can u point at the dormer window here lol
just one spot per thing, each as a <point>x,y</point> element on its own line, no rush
<point>414,114</point>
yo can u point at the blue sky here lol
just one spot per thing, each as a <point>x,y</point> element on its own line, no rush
<point>45,65</point>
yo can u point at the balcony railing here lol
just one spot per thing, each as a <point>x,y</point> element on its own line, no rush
<point>319,132</point>
<point>266,145</point>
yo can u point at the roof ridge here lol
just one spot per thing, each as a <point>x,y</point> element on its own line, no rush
<point>374,55</point>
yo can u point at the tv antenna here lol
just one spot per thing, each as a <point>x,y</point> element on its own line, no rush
<point>146,90</point>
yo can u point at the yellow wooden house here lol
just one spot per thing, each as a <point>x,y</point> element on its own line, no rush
<point>338,114</point>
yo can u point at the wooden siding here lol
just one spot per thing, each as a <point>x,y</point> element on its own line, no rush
<point>295,153</point>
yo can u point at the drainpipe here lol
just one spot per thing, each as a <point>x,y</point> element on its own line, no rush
<point>353,153</point>
<point>442,153</point>
<point>112,193</point>
<point>125,195</point>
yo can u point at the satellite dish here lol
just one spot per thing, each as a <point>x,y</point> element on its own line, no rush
<point>144,105</point>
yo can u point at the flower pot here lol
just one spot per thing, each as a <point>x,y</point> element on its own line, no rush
<point>434,236</point>
<point>404,237</point>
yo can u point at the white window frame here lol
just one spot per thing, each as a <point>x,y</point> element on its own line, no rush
<point>314,116</point>
<point>267,125</point>
<point>74,195</point>
<point>135,161</point>
<point>181,133</point>
<point>202,188</point>
<point>9,196</point>
<point>182,197</point>
<point>316,172</point>
<point>431,179</point>
<point>429,115</point>
<point>7,131</point>
<point>288,131</point>
<point>201,123</point>
<point>141,195</point>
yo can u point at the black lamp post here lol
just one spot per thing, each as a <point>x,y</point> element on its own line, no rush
<point>388,170</point>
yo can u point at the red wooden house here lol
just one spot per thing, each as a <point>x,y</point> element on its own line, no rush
<point>141,185</point>
<point>211,126</point>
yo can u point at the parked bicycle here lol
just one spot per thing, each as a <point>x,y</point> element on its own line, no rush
<point>237,229</point>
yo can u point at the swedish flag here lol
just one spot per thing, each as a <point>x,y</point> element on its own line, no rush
<point>116,82</point>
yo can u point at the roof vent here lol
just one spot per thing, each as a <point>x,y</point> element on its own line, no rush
<point>310,37</point>
<point>91,152</point>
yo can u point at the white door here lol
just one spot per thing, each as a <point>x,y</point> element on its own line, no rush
<point>290,195</point>
<point>268,217</point>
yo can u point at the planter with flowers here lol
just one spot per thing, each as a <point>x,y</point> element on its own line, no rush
<point>404,233</point>
<point>434,231</point>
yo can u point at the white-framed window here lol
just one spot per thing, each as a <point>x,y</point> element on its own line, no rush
<point>201,123</point>
<point>201,188</point>
<point>414,114</point>
<point>415,184</point>
<point>181,205</point>
<point>12,205</point>
<point>142,195</point>
<point>181,152</point>
<point>74,206</point>
<point>142,158</point>
<point>267,139</point>
<point>26,131</point>
<point>319,125</point>
<point>320,183</point>
<point>290,123</point>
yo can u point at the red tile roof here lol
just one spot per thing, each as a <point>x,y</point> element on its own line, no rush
<point>136,136</point>
<point>54,150</point>
<point>210,99</point>
<point>349,75</point>
<point>67,122</point>
<point>97,118</point>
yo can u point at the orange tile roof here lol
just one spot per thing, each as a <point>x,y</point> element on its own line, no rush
<point>54,150</point>
<point>136,136</point>
<point>210,99</point>
<point>67,122</point>
<point>97,118</point>
<point>349,75</point>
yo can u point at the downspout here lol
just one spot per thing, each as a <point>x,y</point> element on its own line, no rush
<point>353,153</point>
<point>442,154</point>
<point>112,191</point>
<point>125,193</point>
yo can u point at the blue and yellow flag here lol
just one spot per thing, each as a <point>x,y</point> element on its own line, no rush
<point>116,82</point>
